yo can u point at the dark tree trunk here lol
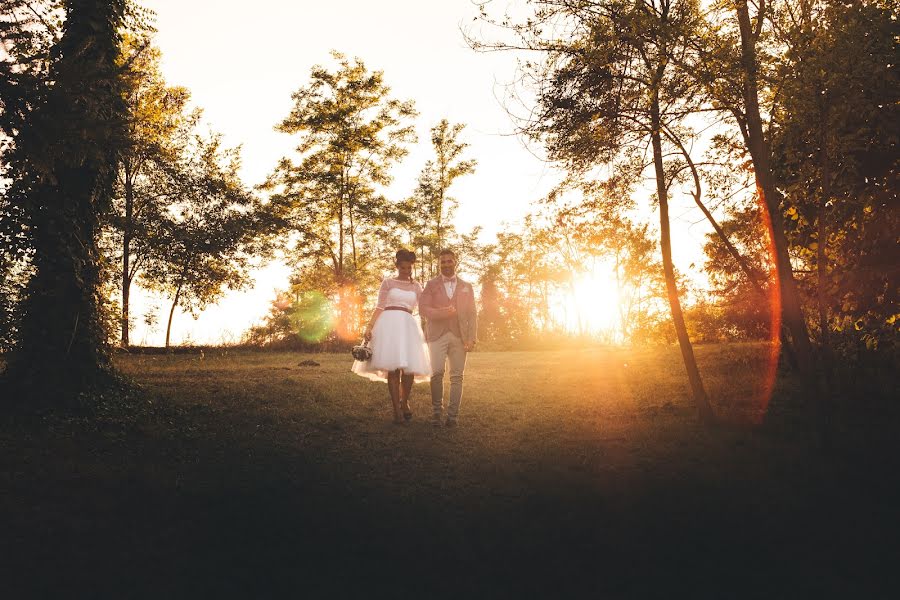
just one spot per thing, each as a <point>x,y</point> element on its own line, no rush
<point>760,154</point>
<point>63,352</point>
<point>126,252</point>
<point>701,400</point>
<point>62,349</point>
<point>171,313</point>
<point>440,214</point>
<point>339,275</point>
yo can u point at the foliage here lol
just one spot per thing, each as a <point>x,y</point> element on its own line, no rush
<point>351,131</point>
<point>159,130</point>
<point>607,90</point>
<point>28,31</point>
<point>835,134</point>
<point>64,118</point>
<point>742,311</point>
<point>210,232</point>
<point>800,99</point>
<point>305,321</point>
<point>431,208</point>
<point>527,274</point>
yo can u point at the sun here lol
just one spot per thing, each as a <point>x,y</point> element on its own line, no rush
<point>591,306</point>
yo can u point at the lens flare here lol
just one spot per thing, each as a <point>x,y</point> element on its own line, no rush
<point>349,314</point>
<point>771,365</point>
<point>314,317</point>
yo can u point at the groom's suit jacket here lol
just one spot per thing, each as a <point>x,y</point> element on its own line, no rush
<point>432,308</point>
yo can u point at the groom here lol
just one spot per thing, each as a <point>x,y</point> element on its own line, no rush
<point>449,316</point>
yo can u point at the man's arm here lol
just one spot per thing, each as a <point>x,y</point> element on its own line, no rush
<point>427,308</point>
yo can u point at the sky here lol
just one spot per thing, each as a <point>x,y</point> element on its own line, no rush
<point>242,61</point>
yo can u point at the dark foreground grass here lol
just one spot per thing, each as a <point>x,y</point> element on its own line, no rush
<point>580,474</point>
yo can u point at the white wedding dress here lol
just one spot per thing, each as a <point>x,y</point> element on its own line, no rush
<point>397,339</point>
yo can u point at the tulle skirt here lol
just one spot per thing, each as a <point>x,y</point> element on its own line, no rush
<point>397,343</point>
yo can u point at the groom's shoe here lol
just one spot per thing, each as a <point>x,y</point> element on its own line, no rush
<point>450,422</point>
<point>436,419</point>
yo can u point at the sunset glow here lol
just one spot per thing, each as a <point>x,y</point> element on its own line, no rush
<point>592,305</point>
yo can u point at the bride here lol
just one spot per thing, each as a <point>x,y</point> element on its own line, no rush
<point>399,353</point>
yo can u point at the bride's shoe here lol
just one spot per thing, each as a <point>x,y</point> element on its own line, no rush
<point>407,411</point>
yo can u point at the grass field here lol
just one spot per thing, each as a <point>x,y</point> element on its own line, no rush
<point>580,474</point>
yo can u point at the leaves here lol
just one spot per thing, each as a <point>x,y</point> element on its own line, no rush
<point>350,132</point>
<point>63,112</point>
<point>429,212</point>
<point>210,230</point>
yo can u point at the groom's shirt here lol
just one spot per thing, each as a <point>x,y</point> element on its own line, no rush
<point>449,285</point>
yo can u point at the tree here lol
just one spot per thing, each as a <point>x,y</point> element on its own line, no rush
<point>158,129</point>
<point>744,311</point>
<point>28,32</point>
<point>726,61</point>
<point>66,131</point>
<point>593,228</point>
<point>14,275</point>
<point>607,88</point>
<point>834,139</point>
<point>350,133</point>
<point>212,230</point>
<point>432,206</point>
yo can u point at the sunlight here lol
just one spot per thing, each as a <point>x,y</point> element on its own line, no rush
<point>592,306</point>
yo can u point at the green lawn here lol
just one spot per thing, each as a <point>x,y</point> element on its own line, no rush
<point>580,473</point>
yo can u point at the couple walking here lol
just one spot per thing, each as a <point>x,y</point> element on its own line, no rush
<point>400,354</point>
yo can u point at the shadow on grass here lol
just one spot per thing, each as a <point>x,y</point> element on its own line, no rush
<point>293,494</point>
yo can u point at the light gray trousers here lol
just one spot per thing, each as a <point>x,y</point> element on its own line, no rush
<point>447,349</point>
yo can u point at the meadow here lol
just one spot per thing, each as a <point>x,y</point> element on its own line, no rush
<point>573,473</point>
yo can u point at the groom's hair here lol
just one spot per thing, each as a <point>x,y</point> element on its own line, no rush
<point>447,251</point>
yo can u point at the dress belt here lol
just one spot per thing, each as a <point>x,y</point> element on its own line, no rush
<point>403,308</point>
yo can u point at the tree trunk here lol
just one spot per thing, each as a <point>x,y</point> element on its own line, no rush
<point>353,236</point>
<point>440,203</point>
<point>63,355</point>
<point>822,231</point>
<point>439,231</point>
<point>126,251</point>
<point>171,313</point>
<point>339,275</point>
<point>621,308</point>
<point>760,154</point>
<point>701,400</point>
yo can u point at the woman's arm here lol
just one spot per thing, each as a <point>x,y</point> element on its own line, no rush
<point>375,314</point>
<point>379,308</point>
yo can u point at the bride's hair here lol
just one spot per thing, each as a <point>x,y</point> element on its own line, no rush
<point>404,255</point>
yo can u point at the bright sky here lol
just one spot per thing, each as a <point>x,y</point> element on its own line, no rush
<point>242,60</point>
